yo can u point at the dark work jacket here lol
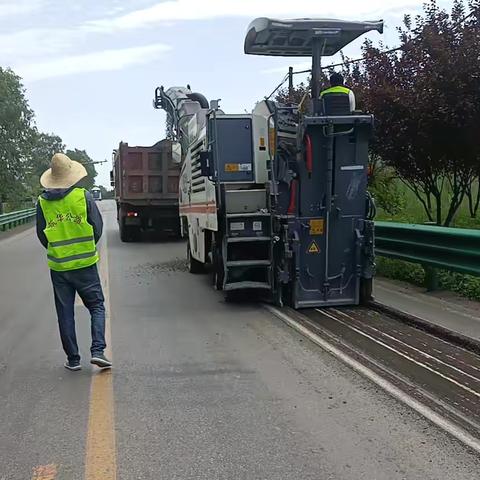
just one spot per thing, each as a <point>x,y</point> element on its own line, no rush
<point>94,218</point>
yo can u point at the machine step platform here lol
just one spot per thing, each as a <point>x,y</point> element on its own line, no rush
<point>248,263</point>
<point>247,239</point>
<point>246,285</point>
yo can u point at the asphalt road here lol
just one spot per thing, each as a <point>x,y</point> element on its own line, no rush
<point>202,389</point>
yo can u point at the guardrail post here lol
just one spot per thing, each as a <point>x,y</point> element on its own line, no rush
<point>431,278</point>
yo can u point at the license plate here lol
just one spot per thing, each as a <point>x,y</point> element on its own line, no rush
<point>132,221</point>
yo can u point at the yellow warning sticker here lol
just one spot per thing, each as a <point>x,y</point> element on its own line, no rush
<point>313,248</point>
<point>316,226</point>
<point>232,167</point>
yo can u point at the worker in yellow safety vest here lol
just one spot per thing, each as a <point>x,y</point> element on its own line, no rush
<point>69,226</point>
<point>337,87</point>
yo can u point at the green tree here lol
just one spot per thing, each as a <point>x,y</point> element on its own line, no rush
<point>426,101</point>
<point>16,135</point>
<point>106,194</point>
<point>44,146</point>
<point>81,156</point>
<point>384,186</point>
<point>298,94</point>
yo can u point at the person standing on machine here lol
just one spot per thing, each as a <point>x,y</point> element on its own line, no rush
<point>337,87</point>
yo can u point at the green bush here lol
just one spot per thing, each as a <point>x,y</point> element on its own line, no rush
<point>387,191</point>
<point>399,270</point>
<point>465,285</point>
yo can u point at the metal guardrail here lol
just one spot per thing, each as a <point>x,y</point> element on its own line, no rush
<point>12,219</point>
<point>453,249</point>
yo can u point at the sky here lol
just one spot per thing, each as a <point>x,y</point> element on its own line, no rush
<point>90,67</point>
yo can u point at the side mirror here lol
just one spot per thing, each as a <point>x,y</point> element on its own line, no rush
<point>205,166</point>
<point>176,152</point>
<point>112,181</point>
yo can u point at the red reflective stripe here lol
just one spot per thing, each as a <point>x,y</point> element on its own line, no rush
<point>199,208</point>
<point>293,197</point>
<point>308,153</point>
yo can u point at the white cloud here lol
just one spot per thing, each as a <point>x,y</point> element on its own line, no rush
<point>177,10</point>
<point>35,42</point>
<point>105,60</point>
<point>19,7</point>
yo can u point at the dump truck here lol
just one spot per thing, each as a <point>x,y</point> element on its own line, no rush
<point>146,189</point>
<point>276,201</point>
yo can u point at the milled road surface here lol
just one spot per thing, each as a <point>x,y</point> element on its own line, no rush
<point>442,375</point>
<point>202,389</point>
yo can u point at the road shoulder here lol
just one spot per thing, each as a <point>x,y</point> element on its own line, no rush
<point>442,308</point>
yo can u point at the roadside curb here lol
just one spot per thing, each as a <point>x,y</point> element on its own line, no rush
<point>453,337</point>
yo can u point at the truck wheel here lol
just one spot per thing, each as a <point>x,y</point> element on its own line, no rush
<point>125,234</point>
<point>194,266</point>
<point>135,234</point>
<point>366,291</point>
<point>178,232</point>
<point>128,234</point>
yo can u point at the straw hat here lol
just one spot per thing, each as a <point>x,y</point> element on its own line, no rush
<point>63,172</point>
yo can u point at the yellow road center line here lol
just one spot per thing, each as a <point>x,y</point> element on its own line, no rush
<point>100,461</point>
<point>45,472</point>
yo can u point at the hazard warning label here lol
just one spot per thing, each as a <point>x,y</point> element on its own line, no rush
<point>313,248</point>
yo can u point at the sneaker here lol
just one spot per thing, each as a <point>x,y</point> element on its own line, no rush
<point>101,361</point>
<point>72,365</point>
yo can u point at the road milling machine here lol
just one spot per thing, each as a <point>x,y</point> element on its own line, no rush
<point>276,200</point>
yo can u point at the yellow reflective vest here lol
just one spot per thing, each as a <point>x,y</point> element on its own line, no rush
<point>71,242</point>
<point>337,89</point>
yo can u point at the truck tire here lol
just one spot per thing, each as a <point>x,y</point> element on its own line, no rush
<point>366,291</point>
<point>194,266</point>
<point>128,234</point>
<point>124,232</point>
<point>178,232</point>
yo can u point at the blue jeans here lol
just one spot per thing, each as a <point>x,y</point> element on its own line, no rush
<point>86,283</point>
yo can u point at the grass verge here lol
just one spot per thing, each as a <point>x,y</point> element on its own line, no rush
<point>465,285</point>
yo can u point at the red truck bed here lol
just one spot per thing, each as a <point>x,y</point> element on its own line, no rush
<point>146,174</point>
<point>146,189</point>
